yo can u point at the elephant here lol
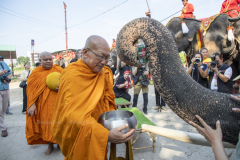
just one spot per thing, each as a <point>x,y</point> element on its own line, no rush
<point>215,40</point>
<point>183,95</point>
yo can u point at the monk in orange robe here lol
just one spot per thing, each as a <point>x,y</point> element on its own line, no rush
<point>40,105</point>
<point>85,92</point>
<point>188,9</point>
<point>231,7</point>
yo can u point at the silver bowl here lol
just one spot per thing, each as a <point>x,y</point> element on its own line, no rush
<point>114,119</point>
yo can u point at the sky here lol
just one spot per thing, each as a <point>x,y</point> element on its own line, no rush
<point>44,20</point>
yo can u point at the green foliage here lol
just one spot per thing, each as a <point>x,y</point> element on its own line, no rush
<point>33,64</point>
<point>23,60</point>
<point>19,69</point>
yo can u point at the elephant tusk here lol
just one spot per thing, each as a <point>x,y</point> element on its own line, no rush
<point>186,137</point>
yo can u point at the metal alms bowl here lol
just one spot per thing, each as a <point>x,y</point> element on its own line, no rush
<point>114,119</point>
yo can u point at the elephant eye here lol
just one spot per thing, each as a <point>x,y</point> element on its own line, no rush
<point>219,38</point>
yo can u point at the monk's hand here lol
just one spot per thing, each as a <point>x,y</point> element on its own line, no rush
<point>116,136</point>
<point>32,110</point>
<point>214,137</point>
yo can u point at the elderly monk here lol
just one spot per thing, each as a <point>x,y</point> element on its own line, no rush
<point>40,105</point>
<point>85,92</point>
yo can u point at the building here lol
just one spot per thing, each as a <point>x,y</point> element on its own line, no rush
<point>34,57</point>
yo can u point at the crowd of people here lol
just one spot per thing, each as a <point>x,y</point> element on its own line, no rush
<point>211,73</point>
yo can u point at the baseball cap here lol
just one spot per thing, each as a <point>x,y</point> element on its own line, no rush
<point>1,57</point>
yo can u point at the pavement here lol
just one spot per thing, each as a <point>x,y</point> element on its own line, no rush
<point>14,147</point>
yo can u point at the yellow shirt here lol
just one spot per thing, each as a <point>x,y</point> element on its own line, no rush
<point>207,60</point>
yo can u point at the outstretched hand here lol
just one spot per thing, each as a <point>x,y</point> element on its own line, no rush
<point>116,136</point>
<point>211,135</point>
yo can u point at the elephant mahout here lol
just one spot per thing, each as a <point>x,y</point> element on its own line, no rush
<point>215,39</point>
<point>183,95</point>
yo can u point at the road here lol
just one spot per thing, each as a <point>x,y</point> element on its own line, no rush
<point>15,146</point>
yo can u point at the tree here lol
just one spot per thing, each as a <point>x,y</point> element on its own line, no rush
<point>23,60</point>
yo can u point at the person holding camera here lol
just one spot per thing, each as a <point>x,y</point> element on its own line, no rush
<point>5,79</point>
<point>122,85</point>
<point>197,68</point>
<point>141,82</point>
<point>23,77</point>
<point>219,75</point>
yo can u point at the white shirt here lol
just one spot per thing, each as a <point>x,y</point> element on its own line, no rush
<point>24,75</point>
<point>228,74</point>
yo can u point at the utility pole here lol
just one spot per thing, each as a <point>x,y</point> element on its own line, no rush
<point>65,7</point>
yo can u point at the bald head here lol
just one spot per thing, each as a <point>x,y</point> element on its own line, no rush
<point>46,60</point>
<point>44,54</point>
<point>95,41</point>
<point>96,53</point>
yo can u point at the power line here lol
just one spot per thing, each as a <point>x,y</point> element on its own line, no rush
<point>170,16</point>
<point>98,15</point>
<point>29,17</point>
<point>79,23</point>
<point>25,18</point>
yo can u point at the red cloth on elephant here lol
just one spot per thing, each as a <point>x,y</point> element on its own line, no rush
<point>232,7</point>
<point>187,11</point>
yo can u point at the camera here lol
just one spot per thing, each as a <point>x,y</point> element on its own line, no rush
<point>213,63</point>
<point>8,80</point>
<point>197,60</point>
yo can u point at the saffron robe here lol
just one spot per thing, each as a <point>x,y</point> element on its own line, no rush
<point>187,11</point>
<point>232,7</point>
<point>82,97</point>
<point>38,128</point>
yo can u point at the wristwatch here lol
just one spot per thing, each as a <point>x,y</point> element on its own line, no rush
<point>218,73</point>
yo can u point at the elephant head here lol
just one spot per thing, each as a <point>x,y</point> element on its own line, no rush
<point>183,41</point>
<point>235,22</point>
<point>216,38</point>
<point>183,95</point>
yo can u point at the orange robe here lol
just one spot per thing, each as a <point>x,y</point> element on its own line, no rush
<point>232,7</point>
<point>187,11</point>
<point>38,128</point>
<point>83,96</point>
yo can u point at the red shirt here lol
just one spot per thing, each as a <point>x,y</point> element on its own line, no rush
<point>229,5</point>
<point>114,44</point>
<point>189,11</point>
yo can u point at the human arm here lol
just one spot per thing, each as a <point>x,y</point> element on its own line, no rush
<point>2,72</point>
<point>189,70</point>
<point>224,77</point>
<point>32,110</point>
<point>205,73</point>
<point>189,8</point>
<point>134,71</point>
<point>214,137</point>
<point>117,137</point>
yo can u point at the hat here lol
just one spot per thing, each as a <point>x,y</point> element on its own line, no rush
<point>127,71</point>
<point>1,57</point>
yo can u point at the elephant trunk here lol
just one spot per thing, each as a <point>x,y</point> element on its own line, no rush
<point>182,94</point>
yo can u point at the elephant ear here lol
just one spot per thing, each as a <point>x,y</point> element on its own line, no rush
<point>193,26</point>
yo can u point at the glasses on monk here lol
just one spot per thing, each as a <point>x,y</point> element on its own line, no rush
<point>100,57</point>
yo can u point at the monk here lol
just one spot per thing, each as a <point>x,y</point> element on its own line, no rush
<point>85,92</point>
<point>40,105</point>
<point>231,7</point>
<point>188,9</point>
